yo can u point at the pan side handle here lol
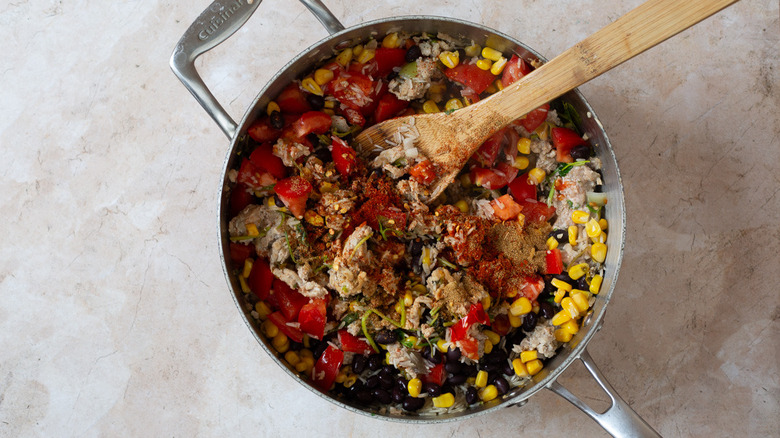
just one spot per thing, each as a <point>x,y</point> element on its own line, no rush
<point>214,25</point>
<point>619,420</point>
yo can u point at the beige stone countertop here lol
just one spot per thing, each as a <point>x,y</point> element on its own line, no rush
<point>115,316</point>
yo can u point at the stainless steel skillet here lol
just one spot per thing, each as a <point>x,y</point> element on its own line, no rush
<point>223,18</point>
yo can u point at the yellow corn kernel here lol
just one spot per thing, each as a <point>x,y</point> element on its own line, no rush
<point>420,289</point>
<point>247,266</point>
<point>366,55</point>
<point>534,367</point>
<point>270,329</point>
<point>602,238</point>
<point>473,50</point>
<point>306,341</point>
<point>301,367</point>
<point>244,286</point>
<point>491,54</point>
<point>579,217</point>
<point>481,380</point>
<point>543,131</point>
<point>408,298</point>
<point>520,306</point>
<point>341,376</point>
<point>486,302</point>
<point>519,368</point>
<point>603,224</point>
<point>353,306</point>
<point>450,59</point>
<point>560,284</point>
<point>562,335</point>
<point>521,163</point>
<point>592,228</point>
<point>524,145</point>
<point>344,57</point>
<point>499,85</point>
<point>292,358</point>
<point>498,66</point>
<point>357,50</point>
<point>494,337</point>
<point>322,76</point>
<point>559,294</point>
<point>569,306</point>
<point>281,343</point>
<point>412,340</point>
<point>488,393</point>
<point>577,271</point>
<point>350,380</point>
<point>328,111</point>
<point>313,218</point>
<point>470,380</point>
<point>453,104</point>
<point>251,230</point>
<point>329,104</point>
<point>391,41</point>
<point>527,356</point>
<point>271,107</point>
<point>570,326</point>
<point>306,353</point>
<point>488,346</point>
<point>536,176</point>
<point>560,317</point>
<point>465,180</point>
<point>515,321</point>
<point>572,231</point>
<point>581,301</point>
<point>441,345</point>
<point>552,243</point>
<point>262,310</point>
<point>491,89</point>
<point>463,206</point>
<point>484,64</point>
<point>444,401</point>
<point>595,284</point>
<point>426,256</point>
<point>387,355</point>
<point>399,306</point>
<point>598,251</point>
<point>310,85</point>
<point>414,386</point>
<point>430,107</point>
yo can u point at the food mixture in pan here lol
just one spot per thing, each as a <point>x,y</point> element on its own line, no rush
<point>386,299</point>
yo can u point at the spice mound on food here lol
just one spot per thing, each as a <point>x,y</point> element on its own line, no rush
<point>389,300</point>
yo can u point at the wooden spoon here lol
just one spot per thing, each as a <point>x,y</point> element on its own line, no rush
<point>448,140</point>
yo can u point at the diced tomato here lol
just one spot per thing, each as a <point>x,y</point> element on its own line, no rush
<point>423,172</point>
<point>294,191</point>
<point>505,207</point>
<point>476,315</point>
<point>469,347</point>
<point>313,316</point>
<point>254,177</point>
<point>354,90</point>
<point>263,158</point>
<point>554,261</point>
<point>327,368</point>
<point>532,287</point>
<point>260,278</point>
<point>388,107</point>
<point>262,131</point>
<point>293,100</point>
<point>522,190</point>
<point>294,333</point>
<point>515,69</point>
<point>435,375</point>
<point>564,139</point>
<point>315,122</point>
<point>538,212</point>
<point>240,252</point>
<point>240,197</point>
<point>501,325</point>
<point>495,178</point>
<point>385,60</point>
<point>290,300</point>
<point>471,77</point>
<point>344,157</point>
<point>488,152</point>
<point>532,120</point>
<point>353,344</point>
<point>353,116</point>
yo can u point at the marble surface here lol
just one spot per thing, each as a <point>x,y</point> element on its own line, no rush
<point>115,318</point>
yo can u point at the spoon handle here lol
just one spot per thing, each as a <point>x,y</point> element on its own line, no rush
<point>642,28</point>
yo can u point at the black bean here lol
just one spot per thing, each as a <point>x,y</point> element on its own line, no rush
<point>401,383</point>
<point>316,102</point>
<point>319,349</point>
<point>385,337</point>
<point>413,53</point>
<point>581,152</point>
<point>382,396</point>
<point>390,370</point>
<point>277,120</point>
<point>491,367</point>
<point>453,367</point>
<point>472,395</point>
<point>413,403</point>
<point>461,55</point>
<point>372,382</point>
<point>468,370</point>
<point>564,277</point>
<point>456,379</point>
<point>375,362</point>
<point>358,364</point>
<point>392,75</point>
<point>582,284</point>
<point>278,202</point>
<point>508,370</point>
<point>496,356</point>
<point>432,354</point>
<point>364,396</point>
<point>323,154</point>
<point>514,338</point>
<point>501,385</point>
<point>433,389</point>
<point>386,381</point>
<point>453,354</point>
<point>354,389</point>
<point>546,309</point>
<point>529,322</point>
<point>398,395</point>
<point>560,235</point>
<point>415,248</point>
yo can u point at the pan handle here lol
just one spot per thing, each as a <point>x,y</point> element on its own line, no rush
<point>619,420</point>
<point>214,25</point>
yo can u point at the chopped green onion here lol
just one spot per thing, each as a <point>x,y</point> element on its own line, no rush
<point>446,263</point>
<point>365,331</point>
